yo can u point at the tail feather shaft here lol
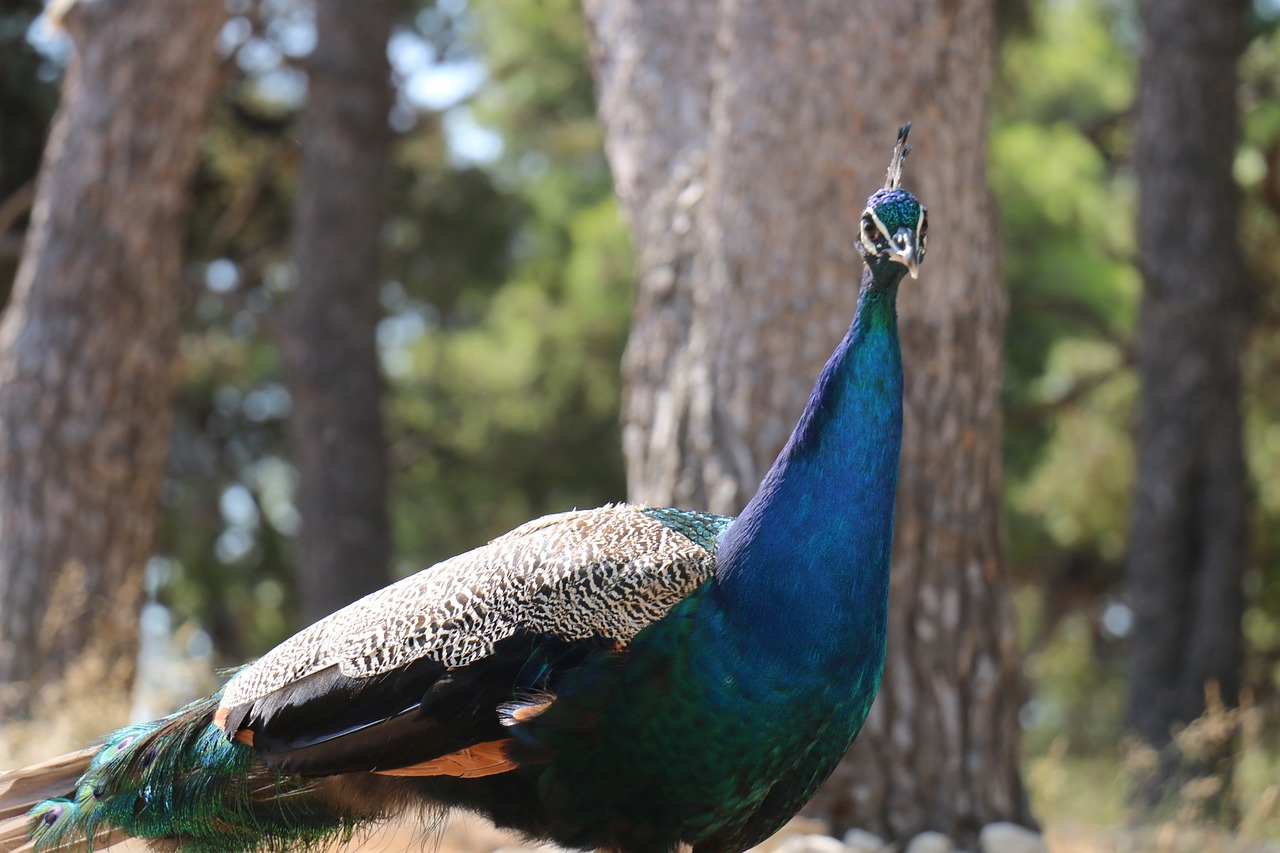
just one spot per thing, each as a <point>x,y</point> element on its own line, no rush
<point>23,788</point>
<point>16,837</point>
<point>15,834</point>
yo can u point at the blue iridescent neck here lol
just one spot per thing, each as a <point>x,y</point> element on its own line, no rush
<point>810,552</point>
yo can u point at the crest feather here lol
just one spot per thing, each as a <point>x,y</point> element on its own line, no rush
<point>893,178</point>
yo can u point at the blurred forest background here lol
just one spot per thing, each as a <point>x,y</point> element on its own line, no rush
<point>505,286</point>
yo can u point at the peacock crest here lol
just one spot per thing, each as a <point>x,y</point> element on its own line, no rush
<point>893,177</point>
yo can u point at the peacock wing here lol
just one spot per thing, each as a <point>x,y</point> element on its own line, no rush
<point>410,679</point>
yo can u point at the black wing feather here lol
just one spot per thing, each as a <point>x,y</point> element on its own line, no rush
<point>328,723</point>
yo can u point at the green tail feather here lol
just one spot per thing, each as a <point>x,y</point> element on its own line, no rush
<point>180,779</point>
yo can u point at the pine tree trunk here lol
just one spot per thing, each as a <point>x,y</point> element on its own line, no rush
<point>88,343</point>
<point>1189,542</point>
<point>653,78</point>
<point>336,426</point>
<point>799,132</point>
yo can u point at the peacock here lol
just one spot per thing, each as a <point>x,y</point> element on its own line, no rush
<point>626,678</point>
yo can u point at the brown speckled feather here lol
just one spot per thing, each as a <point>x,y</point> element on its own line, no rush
<point>605,572</point>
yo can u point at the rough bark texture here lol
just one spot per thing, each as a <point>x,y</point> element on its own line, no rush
<point>336,426</point>
<point>804,103</point>
<point>88,343</point>
<point>1189,542</point>
<point>653,77</point>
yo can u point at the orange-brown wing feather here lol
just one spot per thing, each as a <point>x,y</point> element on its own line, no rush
<point>472,762</point>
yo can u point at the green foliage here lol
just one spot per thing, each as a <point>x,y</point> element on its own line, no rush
<point>517,413</point>
<point>1066,202</point>
<point>507,291</point>
<point>1258,170</point>
<point>1075,64</point>
<point>1078,704</point>
<point>1060,149</point>
<point>1079,491</point>
<point>1066,210</point>
<point>506,406</point>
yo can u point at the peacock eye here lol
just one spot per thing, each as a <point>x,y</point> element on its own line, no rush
<point>872,240</point>
<point>923,230</point>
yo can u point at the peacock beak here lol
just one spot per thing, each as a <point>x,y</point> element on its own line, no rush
<point>903,250</point>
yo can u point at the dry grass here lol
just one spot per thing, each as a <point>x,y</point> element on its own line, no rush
<point>1167,838</point>
<point>1081,799</point>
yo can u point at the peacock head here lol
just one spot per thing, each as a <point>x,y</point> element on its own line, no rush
<point>895,225</point>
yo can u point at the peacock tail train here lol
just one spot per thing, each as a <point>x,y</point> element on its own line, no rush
<point>178,780</point>
<point>626,678</point>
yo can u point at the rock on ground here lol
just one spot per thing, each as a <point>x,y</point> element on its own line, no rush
<point>861,841</point>
<point>810,844</point>
<point>931,842</point>
<point>1011,838</point>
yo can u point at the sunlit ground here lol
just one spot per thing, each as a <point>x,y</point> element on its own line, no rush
<point>466,834</point>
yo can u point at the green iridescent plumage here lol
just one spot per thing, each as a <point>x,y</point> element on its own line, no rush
<point>896,209</point>
<point>180,777</point>
<point>705,528</point>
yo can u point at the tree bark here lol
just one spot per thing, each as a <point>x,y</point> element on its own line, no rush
<point>88,343</point>
<point>799,130</point>
<point>336,426</point>
<point>1189,537</point>
<point>653,79</point>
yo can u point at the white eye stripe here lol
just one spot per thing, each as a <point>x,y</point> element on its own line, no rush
<point>879,224</point>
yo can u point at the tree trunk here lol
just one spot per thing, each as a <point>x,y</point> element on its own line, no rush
<point>653,78</point>
<point>336,427</point>
<point>1189,543</point>
<point>798,137</point>
<point>88,344</point>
